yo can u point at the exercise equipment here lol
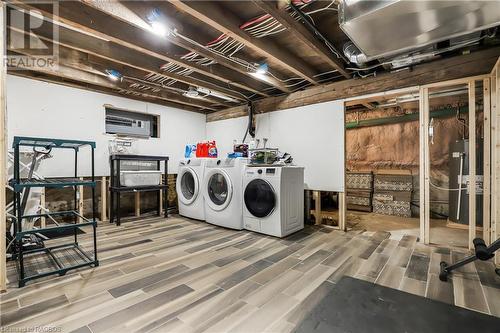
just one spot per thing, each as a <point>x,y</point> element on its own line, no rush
<point>481,252</point>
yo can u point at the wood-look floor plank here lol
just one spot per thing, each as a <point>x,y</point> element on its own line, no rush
<point>231,281</point>
<point>32,310</point>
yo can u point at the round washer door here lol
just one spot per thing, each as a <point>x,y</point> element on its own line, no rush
<point>187,186</point>
<point>218,189</point>
<point>259,198</point>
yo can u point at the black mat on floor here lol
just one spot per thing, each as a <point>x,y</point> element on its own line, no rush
<point>358,306</point>
<point>52,234</point>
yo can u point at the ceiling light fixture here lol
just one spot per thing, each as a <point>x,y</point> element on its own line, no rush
<point>157,22</point>
<point>262,68</point>
<point>217,94</point>
<point>113,75</point>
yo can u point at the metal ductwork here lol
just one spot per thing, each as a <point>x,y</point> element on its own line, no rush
<point>386,28</point>
<point>353,54</point>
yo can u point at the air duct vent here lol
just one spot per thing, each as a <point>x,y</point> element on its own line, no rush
<point>388,28</point>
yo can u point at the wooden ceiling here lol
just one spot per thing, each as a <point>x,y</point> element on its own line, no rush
<point>215,45</point>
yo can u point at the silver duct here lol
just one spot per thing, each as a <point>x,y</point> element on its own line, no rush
<point>353,54</point>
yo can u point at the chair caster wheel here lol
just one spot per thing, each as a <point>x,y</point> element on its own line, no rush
<point>443,274</point>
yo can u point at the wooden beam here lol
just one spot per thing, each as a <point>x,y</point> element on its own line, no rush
<point>213,14</point>
<point>97,65</point>
<point>298,30</point>
<point>83,17</point>
<point>3,149</point>
<point>121,55</point>
<point>73,65</point>
<point>472,64</point>
<point>124,14</point>
<point>68,82</point>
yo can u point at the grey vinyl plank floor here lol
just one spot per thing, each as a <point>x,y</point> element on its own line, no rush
<point>181,275</point>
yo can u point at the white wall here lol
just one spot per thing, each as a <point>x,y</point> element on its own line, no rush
<point>36,108</point>
<point>313,134</point>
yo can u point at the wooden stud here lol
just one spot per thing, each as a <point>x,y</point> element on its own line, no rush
<point>342,211</point>
<point>104,201</point>
<point>161,202</point>
<point>80,200</point>
<point>486,164</point>
<point>137,201</point>
<point>317,206</point>
<point>3,149</point>
<point>42,203</point>
<point>495,154</point>
<point>424,166</point>
<point>472,162</point>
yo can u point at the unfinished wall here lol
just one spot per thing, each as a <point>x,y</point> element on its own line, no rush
<point>396,147</point>
<point>312,134</point>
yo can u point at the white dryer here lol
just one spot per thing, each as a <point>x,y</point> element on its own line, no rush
<point>273,199</point>
<point>188,186</point>
<point>222,192</point>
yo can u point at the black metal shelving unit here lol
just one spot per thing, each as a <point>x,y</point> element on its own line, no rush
<point>62,257</point>
<point>116,188</point>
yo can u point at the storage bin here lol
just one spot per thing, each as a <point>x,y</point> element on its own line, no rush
<point>140,178</point>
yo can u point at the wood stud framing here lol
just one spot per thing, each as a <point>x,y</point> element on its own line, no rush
<point>472,162</point>
<point>424,191</point>
<point>487,163</point>
<point>3,149</point>
<point>495,154</point>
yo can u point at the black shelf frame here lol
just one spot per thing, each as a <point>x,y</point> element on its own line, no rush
<point>116,189</point>
<point>20,184</point>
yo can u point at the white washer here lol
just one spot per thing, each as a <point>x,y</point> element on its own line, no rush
<point>273,199</point>
<point>188,186</point>
<point>222,192</point>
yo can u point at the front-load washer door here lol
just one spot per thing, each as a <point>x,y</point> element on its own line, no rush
<point>218,189</point>
<point>260,198</point>
<point>188,186</point>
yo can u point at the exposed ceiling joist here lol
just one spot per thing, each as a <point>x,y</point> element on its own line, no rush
<point>213,14</point>
<point>476,63</point>
<point>302,33</point>
<point>124,56</point>
<point>76,65</point>
<point>83,17</point>
<point>45,77</point>
<point>124,14</point>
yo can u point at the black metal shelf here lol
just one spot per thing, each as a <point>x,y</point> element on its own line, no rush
<point>116,189</point>
<point>22,187</point>
<point>138,188</point>
<point>60,227</point>
<point>56,259</point>
<point>51,182</point>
